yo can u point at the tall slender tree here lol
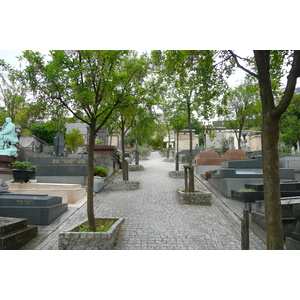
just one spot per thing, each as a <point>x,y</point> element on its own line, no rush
<point>83,81</point>
<point>268,71</point>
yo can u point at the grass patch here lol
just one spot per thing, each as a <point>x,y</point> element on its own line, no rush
<point>246,190</point>
<point>101,226</point>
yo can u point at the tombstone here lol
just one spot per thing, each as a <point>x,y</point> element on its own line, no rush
<point>15,233</point>
<point>59,144</point>
<point>37,209</point>
<point>234,174</point>
<point>208,160</point>
<point>234,154</point>
<point>293,242</point>
<point>288,219</point>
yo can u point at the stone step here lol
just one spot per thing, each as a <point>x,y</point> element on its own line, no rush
<point>14,233</point>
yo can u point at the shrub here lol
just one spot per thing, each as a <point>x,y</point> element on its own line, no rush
<point>100,171</point>
<point>25,165</point>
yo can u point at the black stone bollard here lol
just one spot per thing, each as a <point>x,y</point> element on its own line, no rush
<point>245,230</point>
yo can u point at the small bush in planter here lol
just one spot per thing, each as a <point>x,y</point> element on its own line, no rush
<point>23,165</point>
<point>100,171</point>
<point>23,171</point>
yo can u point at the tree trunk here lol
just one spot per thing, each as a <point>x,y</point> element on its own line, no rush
<point>191,173</point>
<point>169,141</point>
<point>177,154</point>
<point>124,162</point>
<point>137,155</point>
<point>272,198</point>
<point>90,183</point>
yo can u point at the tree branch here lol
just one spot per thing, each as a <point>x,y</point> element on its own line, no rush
<point>291,84</point>
<point>235,57</point>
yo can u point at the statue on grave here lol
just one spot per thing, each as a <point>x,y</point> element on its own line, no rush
<point>8,139</point>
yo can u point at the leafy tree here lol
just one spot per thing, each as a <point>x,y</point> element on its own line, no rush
<point>268,68</point>
<point>131,91</point>
<point>143,128</point>
<point>73,139</point>
<point>289,124</point>
<point>240,105</point>
<point>84,82</point>
<point>178,122</point>
<point>12,94</point>
<point>195,79</point>
<point>43,132</point>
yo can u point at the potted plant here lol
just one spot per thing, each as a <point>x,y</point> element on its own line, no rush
<point>100,173</point>
<point>23,171</point>
<point>207,174</point>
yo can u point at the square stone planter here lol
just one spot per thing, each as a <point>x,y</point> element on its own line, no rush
<point>72,240</point>
<point>98,184</point>
<point>247,197</point>
<point>195,198</point>
<point>123,185</point>
<point>134,168</point>
<point>176,174</point>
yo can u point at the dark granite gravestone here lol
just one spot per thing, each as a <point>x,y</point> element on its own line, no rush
<point>293,242</point>
<point>38,209</point>
<point>59,144</point>
<point>59,169</point>
<point>234,174</point>
<point>288,219</point>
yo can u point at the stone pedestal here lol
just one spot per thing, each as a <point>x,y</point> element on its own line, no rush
<point>5,162</point>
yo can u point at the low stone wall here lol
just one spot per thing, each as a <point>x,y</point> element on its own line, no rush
<point>121,185</point>
<point>90,240</point>
<point>195,198</point>
<point>168,160</point>
<point>134,168</point>
<point>107,162</point>
<point>177,174</point>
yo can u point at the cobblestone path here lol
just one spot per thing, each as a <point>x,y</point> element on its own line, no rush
<point>154,219</point>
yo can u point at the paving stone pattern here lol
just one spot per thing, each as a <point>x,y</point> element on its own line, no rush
<point>155,220</point>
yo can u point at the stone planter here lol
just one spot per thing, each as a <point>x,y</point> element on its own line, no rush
<point>246,197</point>
<point>123,185</point>
<point>207,175</point>
<point>22,175</point>
<point>168,160</point>
<point>176,174</point>
<point>98,184</point>
<point>71,240</point>
<point>134,168</point>
<point>195,198</point>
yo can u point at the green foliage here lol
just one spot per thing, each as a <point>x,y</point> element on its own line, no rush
<point>99,227</point>
<point>42,131</point>
<point>100,171</point>
<point>73,139</point>
<point>289,124</point>
<point>246,190</point>
<point>225,144</point>
<point>25,165</point>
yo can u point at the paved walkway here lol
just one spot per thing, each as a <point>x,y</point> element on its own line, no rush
<point>155,220</point>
